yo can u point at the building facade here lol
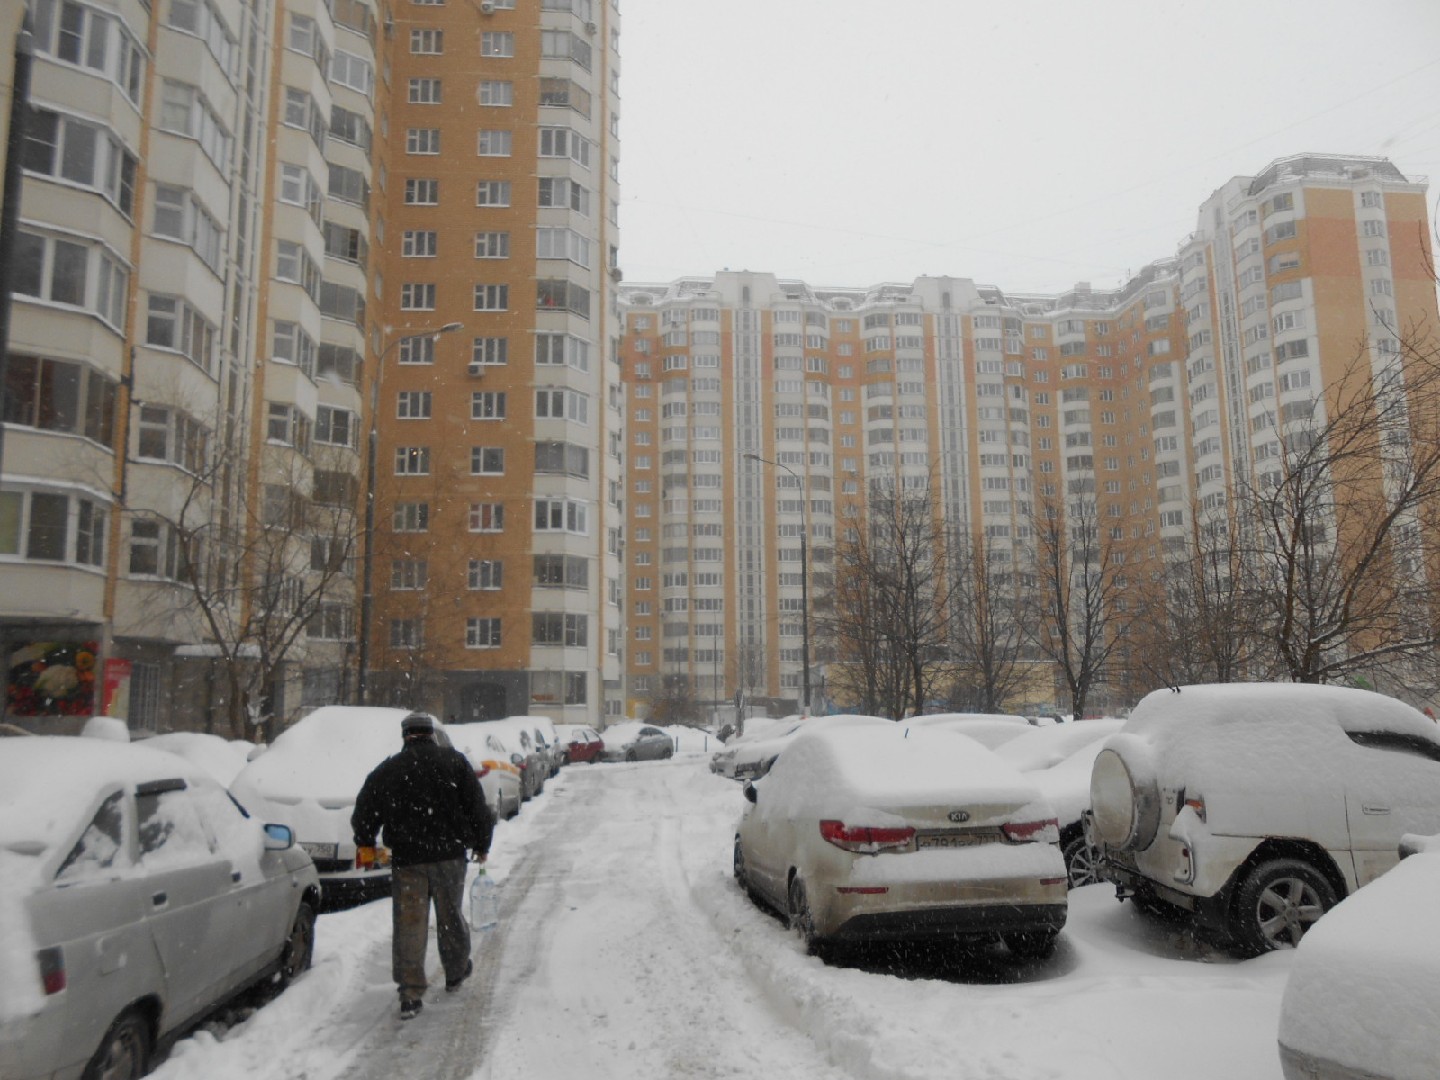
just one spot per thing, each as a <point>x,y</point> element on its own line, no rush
<point>237,238</point>
<point>760,407</point>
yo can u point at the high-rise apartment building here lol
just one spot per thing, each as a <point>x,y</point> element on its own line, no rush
<point>759,407</point>
<point>242,222</point>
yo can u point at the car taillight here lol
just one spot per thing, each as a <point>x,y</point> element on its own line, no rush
<point>1032,832</point>
<point>52,969</point>
<point>865,839</point>
<point>482,772</point>
<point>1195,803</point>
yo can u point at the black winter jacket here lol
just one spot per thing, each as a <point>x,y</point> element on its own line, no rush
<point>427,803</point>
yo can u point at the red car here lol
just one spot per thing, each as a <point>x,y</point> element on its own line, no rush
<point>581,743</point>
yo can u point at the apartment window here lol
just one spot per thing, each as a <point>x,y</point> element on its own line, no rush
<point>297,187</point>
<point>562,515</point>
<point>419,244</point>
<point>57,395</point>
<point>495,92</point>
<point>89,38</point>
<point>559,628</point>
<point>562,405</point>
<point>565,93</point>
<point>347,244</point>
<point>417,296</point>
<point>185,111</point>
<point>422,141</point>
<point>335,488</point>
<point>564,194</point>
<point>428,42</point>
<point>562,349</point>
<point>563,244</point>
<point>494,144</point>
<point>487,461</point>
<point>497,43</point>
<point>154,551</point>
<point>408,575</point>
<point>482,633</point>
<point>417,350</point>
<point>1377,257</point>
<point>293,264</point>
<point>562,457</point>
<point>303,111</point>
<point>412,461</point>
<point>558,142</point>
<point>406,633</point>
<point>332,622</point>
<point>410,517</point>
<point>422,91</point>
<point>422,192</point>
<point>492,297</point>
<point>490,350</point>
<point>487,405</point>
<point>65,272</point>
<point>563,45</point>
<point>487,574</point>
<point>70,149</point>
<point>412,405</point>
<point>492,245</point>
<point>562,293</point>
<point>355,72</point>
<point>562,571</point>
<point>173,324</point>
<point>351,127</point>
<point>487,517</point>
<point>336,427</point>
<point>492,193</point>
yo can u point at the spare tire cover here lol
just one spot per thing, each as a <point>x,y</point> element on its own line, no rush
<point>1125,799</point>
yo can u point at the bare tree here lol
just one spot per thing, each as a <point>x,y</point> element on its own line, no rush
<point>1080,615</point>
<point>890,624</point>
<point>1339,534</point>
<point>675,703</point>
<point>257,566</point>
<point>986,625</point>
<point>1197,621</point>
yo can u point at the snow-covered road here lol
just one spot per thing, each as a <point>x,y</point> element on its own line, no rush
<point>626,950</point>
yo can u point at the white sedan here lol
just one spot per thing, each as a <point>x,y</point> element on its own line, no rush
<point>872,833</point>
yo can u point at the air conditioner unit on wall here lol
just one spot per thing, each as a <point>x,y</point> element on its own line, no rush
<point>590,28</point>
<point>487,6</point>
<point>476,368</point>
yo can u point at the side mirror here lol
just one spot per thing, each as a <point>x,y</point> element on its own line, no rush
<point>516,759</point>
<point>279,838</point>
<point>750,793</point>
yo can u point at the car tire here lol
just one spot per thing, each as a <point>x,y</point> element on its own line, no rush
<point>739,867</point>
<point>299,947</point>
<point>1031,944</point>
<point>798,915</point>
<point>1276,905</point>
<point>124,1052</point>
<point>630,756</point>
<point>1081,863</point>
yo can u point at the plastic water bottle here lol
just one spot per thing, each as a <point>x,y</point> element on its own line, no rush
<point>484,902</point>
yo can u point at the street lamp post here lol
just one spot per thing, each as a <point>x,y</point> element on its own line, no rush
<point>804,579</point>
<point>367,572</point>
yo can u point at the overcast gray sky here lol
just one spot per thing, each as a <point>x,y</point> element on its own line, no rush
<point>1028,144</point>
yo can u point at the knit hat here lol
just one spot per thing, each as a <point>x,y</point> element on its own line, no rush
<point>417,724</point>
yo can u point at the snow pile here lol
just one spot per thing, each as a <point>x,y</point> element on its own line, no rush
<point>1042,747</point>
<point>221,758</point>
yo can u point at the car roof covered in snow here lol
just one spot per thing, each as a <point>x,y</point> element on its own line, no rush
<point>325,755</point>
<point>1248,705</point>
<point>47,783</point>
<point>833,771</point>
<point>1042,747</point>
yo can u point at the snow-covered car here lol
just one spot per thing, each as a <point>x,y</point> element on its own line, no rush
<point>1258,806</point>
<point>221,758</point>
<point>547,741</point>
<point>633,741</point>
<point>756,728</point>
<point>496,765</point>
<point>753,760</point>
<point>1361,998</point>
<point>135,897</point>
<point>1058,759</point>
<point>519,736</point>
<point>988,729</point>
<point>308,778</point>
<point>582,743</point>
<point>874,833</point>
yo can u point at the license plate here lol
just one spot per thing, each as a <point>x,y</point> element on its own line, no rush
<point>319,851</point>
<point>951,840</point>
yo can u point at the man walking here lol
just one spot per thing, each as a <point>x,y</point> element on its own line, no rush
<point>428,806</point>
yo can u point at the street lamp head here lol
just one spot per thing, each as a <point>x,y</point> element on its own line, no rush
<point>754,457</point>
<point>448,328</point>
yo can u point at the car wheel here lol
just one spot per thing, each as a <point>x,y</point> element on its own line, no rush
<point>124,1052</point>
<point>630,756</point>
<point>1081,863</point>
<point>1277,904</point>
<point>740,866</point>
<point>1031,944</point>
<point>800,919</point>
<point>300,948</point>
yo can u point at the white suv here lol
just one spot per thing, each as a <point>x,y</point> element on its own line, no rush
<point>1260,806</point>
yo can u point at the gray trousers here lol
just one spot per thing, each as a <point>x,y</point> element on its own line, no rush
<point>412,890</point>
